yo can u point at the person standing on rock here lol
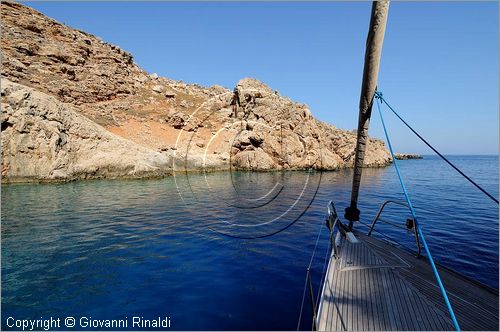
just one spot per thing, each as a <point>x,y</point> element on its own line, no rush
<point>235,103</point>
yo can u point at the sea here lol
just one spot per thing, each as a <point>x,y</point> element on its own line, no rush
<point>223,250</point>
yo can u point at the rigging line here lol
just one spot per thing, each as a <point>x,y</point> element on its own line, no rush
<point>315,246</point>
<point>326,261</point>
<point>378,95</point>
<point>302,305</point>
<point>308,275</point>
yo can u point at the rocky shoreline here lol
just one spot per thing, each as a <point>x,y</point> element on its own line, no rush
<point>90,112</point>
<point>407,156</point>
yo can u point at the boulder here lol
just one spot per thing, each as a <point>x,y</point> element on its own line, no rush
<point>253,160</point>
<point>177,120</point>
<point>157,88</point>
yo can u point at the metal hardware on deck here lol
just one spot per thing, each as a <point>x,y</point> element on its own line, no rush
<point>377,218</point>
<point>332,221</point>
<point>351,237</point>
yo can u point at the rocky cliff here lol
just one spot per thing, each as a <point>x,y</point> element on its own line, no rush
<point>74,106</point>
<point>44,139</point>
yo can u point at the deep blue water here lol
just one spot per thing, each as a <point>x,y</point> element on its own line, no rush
<point>173,247</point>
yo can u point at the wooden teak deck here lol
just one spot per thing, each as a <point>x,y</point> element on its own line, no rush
<point>373,285</point>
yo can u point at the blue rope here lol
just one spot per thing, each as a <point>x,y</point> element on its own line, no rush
<point>437,152</point>
<point>378,95</point>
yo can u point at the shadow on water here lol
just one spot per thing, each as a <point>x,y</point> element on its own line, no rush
<point>115,249</point>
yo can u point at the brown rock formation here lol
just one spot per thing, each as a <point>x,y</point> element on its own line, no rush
<point>44,139</point>
<point>136,124</point>
<point>75,66</point>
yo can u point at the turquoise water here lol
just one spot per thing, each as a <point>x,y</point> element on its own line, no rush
<point>193,248</point>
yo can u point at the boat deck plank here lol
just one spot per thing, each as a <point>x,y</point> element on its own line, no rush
<point>374,285</point>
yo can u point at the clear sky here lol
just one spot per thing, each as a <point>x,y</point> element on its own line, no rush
<point>439,63</point>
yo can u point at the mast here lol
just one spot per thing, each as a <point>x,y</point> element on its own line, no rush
<point>373,52</point>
